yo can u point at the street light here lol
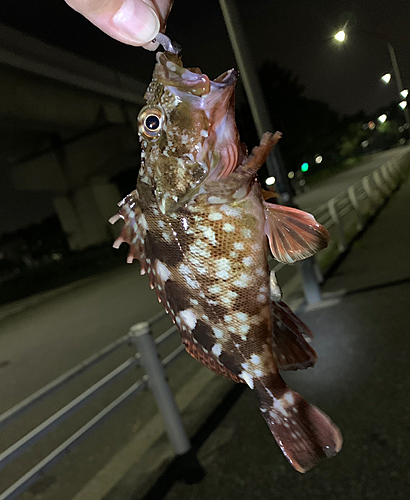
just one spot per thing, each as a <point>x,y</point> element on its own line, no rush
<point>404,93</point>
<point>386,78</point>
<point>382,118</point>
<point>403,104</point>
<point>340,36</point>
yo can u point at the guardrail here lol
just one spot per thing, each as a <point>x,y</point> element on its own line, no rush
<point>344,216</point>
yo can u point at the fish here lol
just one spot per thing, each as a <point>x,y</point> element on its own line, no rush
<point>201,228</point>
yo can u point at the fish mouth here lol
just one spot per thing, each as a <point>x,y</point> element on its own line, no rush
<point>170,71</point>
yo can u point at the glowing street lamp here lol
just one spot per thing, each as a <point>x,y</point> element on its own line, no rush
<point>382,118</point>
<point>340,36</point>
<point>403,104</point>
<point>404,93</point>
<point>386,78</point>
<point>270,181</point>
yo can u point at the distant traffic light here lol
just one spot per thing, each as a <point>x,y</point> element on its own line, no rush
<point>305,166</point>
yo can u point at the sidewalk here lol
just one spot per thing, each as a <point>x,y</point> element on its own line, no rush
<point>361,380</point>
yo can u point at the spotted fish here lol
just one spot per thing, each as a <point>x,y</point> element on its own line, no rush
<point>201,229</point>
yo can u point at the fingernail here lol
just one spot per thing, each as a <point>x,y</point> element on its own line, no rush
<point>137,21</point>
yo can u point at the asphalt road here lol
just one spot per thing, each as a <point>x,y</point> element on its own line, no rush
<point>331,187</point>
<point>42,337</point>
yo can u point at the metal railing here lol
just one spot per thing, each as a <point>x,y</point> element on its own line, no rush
<point>352,208</point>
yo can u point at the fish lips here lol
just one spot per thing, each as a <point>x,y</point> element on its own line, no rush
<point>192,82</point>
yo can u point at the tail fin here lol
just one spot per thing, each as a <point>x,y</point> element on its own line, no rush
<point>304,433</point>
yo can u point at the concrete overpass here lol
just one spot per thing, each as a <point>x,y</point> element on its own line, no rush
<point>67,125</point>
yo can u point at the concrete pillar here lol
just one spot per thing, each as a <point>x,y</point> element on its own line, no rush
<point>70,222</point>
<point>106,196</point>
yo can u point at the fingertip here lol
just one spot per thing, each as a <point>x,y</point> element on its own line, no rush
<point>137,21</point>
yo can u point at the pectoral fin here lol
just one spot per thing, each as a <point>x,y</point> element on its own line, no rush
<point>293,234</point>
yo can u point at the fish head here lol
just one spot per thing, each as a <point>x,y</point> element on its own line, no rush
<point>187,131</point>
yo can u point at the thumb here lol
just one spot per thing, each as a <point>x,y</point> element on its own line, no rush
<point>133,22</point>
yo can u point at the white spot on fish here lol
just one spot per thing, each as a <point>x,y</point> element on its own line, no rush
<point>238,246</point>
<point>260,272</point>
<point>210,234</point>
<point>244,328</point>
<point>288,397</point>
<point>218,332</point>
<point>247,233</point>
<point>215,289</point>
<point>234,255</point>
<point>243,281</point>
<point>258,373</point>
<point>189,318</point>
<point>261,298</point>
<point>193,302</point>
<point>163,272</point>
<point>204,133</point>
<point>255,359</point>
<point>215,216</point>
<point>247,261</point>
<point>241,316</point>
<point>217,349</point>
<point>228,227</point>
<point>228,297</point>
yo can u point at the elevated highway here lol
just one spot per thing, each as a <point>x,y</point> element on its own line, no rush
<point>67,126</point>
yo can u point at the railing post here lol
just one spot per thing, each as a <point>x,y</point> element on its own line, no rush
<point>373,196</point>
<point>387,176</point>
<point>310,280</point>
<point>355,204</point>
<point>159,386</point>
<point>341,240</point>
<point>380,185</point>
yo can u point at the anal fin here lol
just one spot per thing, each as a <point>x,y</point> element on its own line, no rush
<point>196,351</point>
<point>291,350</point>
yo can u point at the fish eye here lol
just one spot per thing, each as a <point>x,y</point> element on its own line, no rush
<point>150,122</point>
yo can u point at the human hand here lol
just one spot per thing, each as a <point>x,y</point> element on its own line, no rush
<point>134,22</point>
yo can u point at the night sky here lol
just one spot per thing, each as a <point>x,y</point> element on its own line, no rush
<point>297,34</point>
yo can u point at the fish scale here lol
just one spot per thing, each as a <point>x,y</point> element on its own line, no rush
<point>201,228</point>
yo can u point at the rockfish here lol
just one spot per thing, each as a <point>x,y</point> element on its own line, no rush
<point>200,227</point>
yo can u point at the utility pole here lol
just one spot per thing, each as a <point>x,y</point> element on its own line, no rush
<point>254,94</point>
